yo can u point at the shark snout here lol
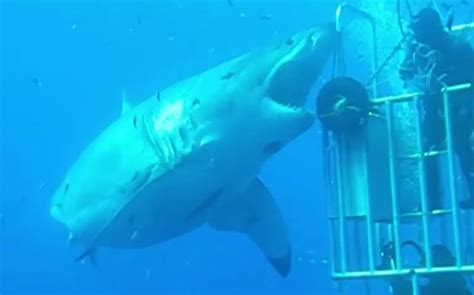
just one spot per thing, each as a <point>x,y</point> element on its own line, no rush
<point>292,77</point>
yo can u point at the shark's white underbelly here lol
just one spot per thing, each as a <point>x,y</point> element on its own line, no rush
<point>180,200</point>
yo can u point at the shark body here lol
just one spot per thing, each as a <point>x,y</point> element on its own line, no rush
<point>191,155</point>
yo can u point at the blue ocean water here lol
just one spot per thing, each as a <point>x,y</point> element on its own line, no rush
<point>64,66</point>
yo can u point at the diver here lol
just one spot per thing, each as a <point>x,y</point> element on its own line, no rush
<point>437,283</point>
<point>437,58</point>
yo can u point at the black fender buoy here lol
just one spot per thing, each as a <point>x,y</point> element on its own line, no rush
<point>342,104</point>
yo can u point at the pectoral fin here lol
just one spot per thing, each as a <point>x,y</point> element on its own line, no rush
<point>256,214</point>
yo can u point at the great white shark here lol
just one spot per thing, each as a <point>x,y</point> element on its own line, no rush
<point>191,154</point>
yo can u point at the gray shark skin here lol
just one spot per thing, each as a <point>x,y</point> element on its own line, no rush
<point>190,155</point>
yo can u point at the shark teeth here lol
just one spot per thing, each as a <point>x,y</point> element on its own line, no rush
<point>292,108</point>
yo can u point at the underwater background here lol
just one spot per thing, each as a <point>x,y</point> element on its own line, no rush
<point>64,65</point>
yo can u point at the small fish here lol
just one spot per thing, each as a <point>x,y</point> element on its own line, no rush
<point>37,82</point>
<point>135,121</point>
<point>265,17</point>
<point>228,76</point>
<point>449,22</point>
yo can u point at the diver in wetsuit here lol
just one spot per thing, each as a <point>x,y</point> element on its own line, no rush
<point>438,283</point>
<point>438,58</point>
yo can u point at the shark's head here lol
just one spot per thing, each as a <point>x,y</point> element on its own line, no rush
<point>291,67</point>
<point>281,77</point>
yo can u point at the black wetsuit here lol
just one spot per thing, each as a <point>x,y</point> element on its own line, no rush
<point>448,60</point>
<point>438,283</point>
<point>441,284</point>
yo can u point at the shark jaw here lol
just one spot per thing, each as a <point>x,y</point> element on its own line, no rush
<point>191,155</point>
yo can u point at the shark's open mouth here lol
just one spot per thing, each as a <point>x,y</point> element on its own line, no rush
<point>290,107</point>
<point>290,79</point>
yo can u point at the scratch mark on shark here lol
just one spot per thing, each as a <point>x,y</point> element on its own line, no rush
<point>135,121</point>
<point>228,76</point>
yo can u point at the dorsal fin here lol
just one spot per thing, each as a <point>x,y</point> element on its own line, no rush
<point>126,104</point>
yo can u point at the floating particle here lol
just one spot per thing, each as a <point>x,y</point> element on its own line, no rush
<point>265,17</point>
<point>211,162</point>
<point>37,82</point>
<point>70,238</point>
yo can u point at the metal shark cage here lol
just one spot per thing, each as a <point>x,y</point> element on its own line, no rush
<point>369,216</point>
